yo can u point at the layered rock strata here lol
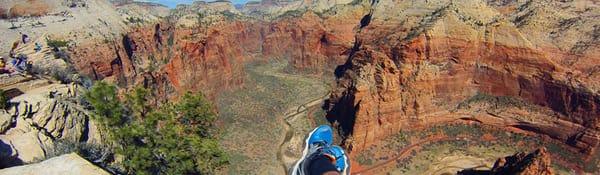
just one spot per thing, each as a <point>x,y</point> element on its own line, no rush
<point>406,70</point>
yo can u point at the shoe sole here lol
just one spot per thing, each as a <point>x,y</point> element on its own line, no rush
<point>346,171</point>
<point>304,154</point>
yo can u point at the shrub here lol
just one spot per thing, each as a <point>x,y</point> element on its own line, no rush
<point>3,99</point>
<point>292,13</point>
<point>229,15</point>
<point>171,39</point>
<point>133,20</point>
<point>97,154</point>
<point>56,43</point>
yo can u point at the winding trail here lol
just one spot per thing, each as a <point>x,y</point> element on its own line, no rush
<point>292,113</point>
<point>404,151</point>
<point>289,130</point>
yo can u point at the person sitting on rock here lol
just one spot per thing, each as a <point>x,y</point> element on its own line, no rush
<point>320,157</point>
<point>20,63</point>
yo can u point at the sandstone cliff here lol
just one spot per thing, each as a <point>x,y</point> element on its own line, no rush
<point>407,70</point>
<point>205,50</point>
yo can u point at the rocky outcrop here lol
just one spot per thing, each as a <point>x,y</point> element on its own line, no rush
<point>61,165</point>
<point>535,163</point>
<point>39,118</point>
<point>418,71</point>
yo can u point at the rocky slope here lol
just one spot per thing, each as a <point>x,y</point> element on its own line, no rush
<point>61,165</point>
<point>83,23</point>
<point>415,65</point>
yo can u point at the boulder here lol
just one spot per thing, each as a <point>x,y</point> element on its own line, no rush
<point>6,120</point>
<point>38,119</point>
<point>68,164</point>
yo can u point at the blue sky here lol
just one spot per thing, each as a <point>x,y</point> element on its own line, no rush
<point>173,3</point>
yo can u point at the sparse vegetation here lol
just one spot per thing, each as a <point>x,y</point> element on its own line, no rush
<point>56,43</point>
<point>171,39</point>
<point>292,13</point>
<point>498,101</point>
<point>593,165</point>
<point>3,99</point>
<point>252,115</point>
<point>230,15</point>
<point>133,20</point>
<point>365,158</point>
<point>97,154</point>
<point>471,145</point>
<point>175,138</point>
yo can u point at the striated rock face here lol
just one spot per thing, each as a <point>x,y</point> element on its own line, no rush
<point>61,165</point>
<point>39,118</point>
<point>406,63</point>
<point>191,52</point>
<point>535,163</point>
<point>407,70</point>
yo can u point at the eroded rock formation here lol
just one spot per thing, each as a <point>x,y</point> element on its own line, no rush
<point>535,163</point>
<point>416,71</point>
<point>39,118</point>
<point>206,51</point>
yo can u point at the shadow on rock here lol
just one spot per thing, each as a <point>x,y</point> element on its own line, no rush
<point>8,157</point>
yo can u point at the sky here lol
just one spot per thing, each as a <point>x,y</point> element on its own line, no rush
<point>173,3</point>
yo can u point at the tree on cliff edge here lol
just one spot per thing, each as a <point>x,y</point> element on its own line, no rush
<point>175,138</point>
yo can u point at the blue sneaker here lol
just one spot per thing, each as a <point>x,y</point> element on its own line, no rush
<point>341,159</point>
<point>318,140</point>
<point>322,136</point>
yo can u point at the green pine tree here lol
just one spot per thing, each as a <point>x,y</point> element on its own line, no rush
<point>175,138</point>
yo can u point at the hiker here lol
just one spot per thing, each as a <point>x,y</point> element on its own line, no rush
<point>74,87</point>
<point>320,157</point>
<point>20,63</point>
<point>37,47</point>
<point>13,48</point>
<point>25,38</point>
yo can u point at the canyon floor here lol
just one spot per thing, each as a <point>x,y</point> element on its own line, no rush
<point>449,148</point>
<point>264,123</point>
